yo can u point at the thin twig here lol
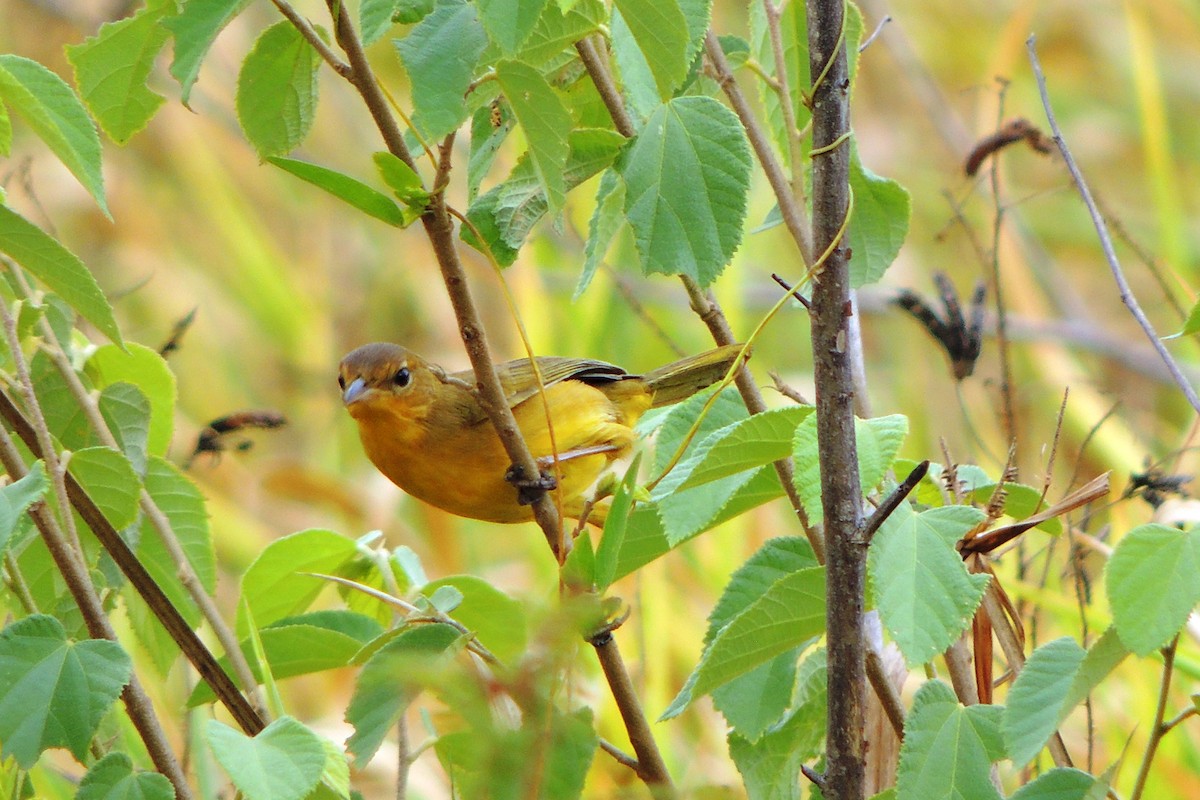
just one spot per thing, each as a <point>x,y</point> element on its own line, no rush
<point>1106,243</point>
<point>312,37</point>
<point>894,499</point>
<point>885,690</point>
<point>1160,712</point>
<point>875,33</point>
<point>783,89</point>
<point>619,755</point>
<point>609,93</point>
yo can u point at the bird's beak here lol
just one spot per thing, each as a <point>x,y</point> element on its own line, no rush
<point>355,391</point>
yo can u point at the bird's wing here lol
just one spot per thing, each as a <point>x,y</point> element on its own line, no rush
<point>519,382</point>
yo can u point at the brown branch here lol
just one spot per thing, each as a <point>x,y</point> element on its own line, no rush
<point>885,690</point>
<point>841,496</point>
<point>1160,711</point>
<point>894,499</point>
<point>312,37</point>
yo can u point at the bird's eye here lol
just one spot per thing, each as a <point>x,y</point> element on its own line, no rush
<point>402,377</point>
<point>342,382</point>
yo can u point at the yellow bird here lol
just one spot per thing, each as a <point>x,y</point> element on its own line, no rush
<point>424,428</point>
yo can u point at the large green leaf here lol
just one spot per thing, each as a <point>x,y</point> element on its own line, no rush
<point>1036,701</point>
<point>687,175</point>
<point>497,620</point>
<point>283,762</point>
<point>510,22</point>
<point>51,109</point>
<point>440,54</point>
<point>788,613</point>
<point>113,778</point>
<point>109,479</point>
<point>559,27</point>
<point>948,750</point>
<point>925,595</point>
<point>53,692</point>
<point>17,497</point>
<point>126,411</point>
<point>271,587</point>
<point>879,223</point>
<point>1153,583</point>
<point>366,199</point>
<point>112,67</point>
<point>58,268</point>
<point>544,118</point>
<point>1061,783</point>
<point>877,442</point>
<point>661,31</point>
<point>145,369</point>
<point>277,90</point>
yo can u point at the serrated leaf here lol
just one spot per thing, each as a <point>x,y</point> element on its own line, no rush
<point>606,221</point>
<point>283,762</point>
<point>686,178</point>
<point>17,497</point>
<point>774,561</point>
<point>389,680</point>
<point>64,417</point>
<point>510,22</point>
<point>754,442</point>
<point>57,267</point>
<point>277,90</point>
<point>54,692</point>
<point>637,81</point>
<point>948,750</point>
<point>1102,658</point>
<point>272,589</point>
<point>753,702</point>
<point>925,595</point>
<point>375,19</point>
<point>645,540</point>
<point>113,778</point>
<point>490,126</point>
<point>194,29</point>
<point>109,479</point>
<point>1036,699</point>
<point>496,619</point>
<point>661,32</point>
<point>546,122</point>
<point>112,67</point>
<point>789,612</point>
<point>876,440</point>
<point>366,199</point>
<point>126,411</point>
<point>560,27</point>
<point>879,223</point>
<point>145,369</point>
<point>1153,583</point>
<point>181,501</point>
<point>51,109</point>
<point>1060,783</point>
<point>440,55</point>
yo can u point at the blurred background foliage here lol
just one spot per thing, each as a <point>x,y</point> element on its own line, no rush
<point>284,280</point>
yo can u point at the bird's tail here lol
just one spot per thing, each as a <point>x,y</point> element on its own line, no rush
<point>682,379</point>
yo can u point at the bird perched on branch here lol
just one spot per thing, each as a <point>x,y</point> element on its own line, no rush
<point>426,431</point>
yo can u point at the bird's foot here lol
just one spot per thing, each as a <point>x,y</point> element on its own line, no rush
<point>529,490</point>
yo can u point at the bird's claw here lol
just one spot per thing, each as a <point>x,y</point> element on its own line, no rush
<point>529,490</point>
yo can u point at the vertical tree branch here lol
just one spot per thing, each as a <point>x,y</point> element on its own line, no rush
<point>840,493</point>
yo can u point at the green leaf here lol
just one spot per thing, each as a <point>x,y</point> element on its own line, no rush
<point>180,499</point>
<point>794,38</point>
<point>753,442</point>
<point>757,700</point>
<point>291,650</point>
<point>506,214</point>
<point>126,411</point>
<point>606,221</point>
<point>948,750</point>
<point>375,19</point>
<point>497,620</point>
<point>1036,700</point>
<point>638,83</point>
<point>57,267</point>
<point>661,32</point>
<point>390,679</point>
<point>113,778</point>
<point>17,497</point>
<point>645,540</point>
<point>366,199</point>
<point>615,525</point>
<point>195,28</point>
<point>698,14</point>
<point>112,67</point>
<point>109,478</point>
<point>52,110</point>
<point>876,440</point>
<point>560,27</point>
<point>1153,583</point>
<point>546,122</point>
<point>1190,326</point>
<point>6,136</point>
<point>774,561</point>
<point>686,178</point>
<point>405,183</point>
<point>277,90</point>
<point>145,369</point>
<point>64,417</point>
<point>440,55</point>
<point>1060,783</point>
<point>1102,658</point>
<point>878,225</point>
<point>770,765</point>
<point>54,692</point>
<point>924,593</point>
<point>490,126</point>
<point>573,743</point>
<point>789,612</point>
<point>271,586</point>
<point>283,762</point>
<point>510,22</point>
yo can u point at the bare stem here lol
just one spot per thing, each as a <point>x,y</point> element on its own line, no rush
<point>1106,243</point>
<point>1159,729</point>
